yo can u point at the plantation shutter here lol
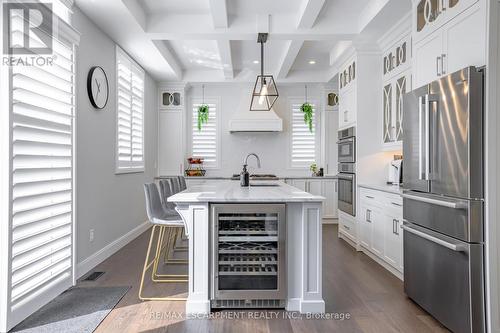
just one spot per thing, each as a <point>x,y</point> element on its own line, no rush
<point>42,179</point>
<point>130,114</point>
<point>303,141</point>
<point>204,141</point>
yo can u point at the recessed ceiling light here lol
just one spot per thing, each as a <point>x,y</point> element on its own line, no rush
<point>255,61</point>
<point>312,62</point>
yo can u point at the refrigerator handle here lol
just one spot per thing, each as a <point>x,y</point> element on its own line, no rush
<point>454,247</point>
<point>428,100</point>
<point>438,202</point>
<point>420,139</point>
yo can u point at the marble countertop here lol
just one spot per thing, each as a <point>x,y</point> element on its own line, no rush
<point>231,191</point>
<point>227,178</point>
<point>394,189</point>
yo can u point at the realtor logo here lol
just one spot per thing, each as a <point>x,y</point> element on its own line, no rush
<point>28,28</point>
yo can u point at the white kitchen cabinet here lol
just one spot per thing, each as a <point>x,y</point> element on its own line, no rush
<point>378,231</point>
<point>331,148</point>
<point>329,190</point>
<point>380,216</point>
<point>393,240</point>
<point>324,187</point>
<point>393,92</point>
<point>427,59</point>
<point>459,43</point>
<point>430,15</point>
<point>347,228</point>
<point>347,107</point>
<point>170,152</point>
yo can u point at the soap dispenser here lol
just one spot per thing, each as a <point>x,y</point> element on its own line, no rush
<point>244,177</point>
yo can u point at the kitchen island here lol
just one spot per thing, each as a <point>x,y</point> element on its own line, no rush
<point>300,226</point>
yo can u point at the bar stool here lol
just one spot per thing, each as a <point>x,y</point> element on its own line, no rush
<point>164,222</point>
<point>165,192</point>
<point>182,183</point>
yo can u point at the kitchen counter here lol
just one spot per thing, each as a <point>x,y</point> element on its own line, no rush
<point>303,238</point>
<point>231,191</point>
<point>393,189</point>
<point>227,178</point>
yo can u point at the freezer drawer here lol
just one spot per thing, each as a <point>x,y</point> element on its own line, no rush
<point>458,218</point>
<point>445,277</point>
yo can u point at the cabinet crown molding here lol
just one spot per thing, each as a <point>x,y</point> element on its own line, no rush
<point>397,32</point>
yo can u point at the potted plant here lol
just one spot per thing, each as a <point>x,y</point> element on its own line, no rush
<point>314,168</point>
<point>307,109</point>
<point>202,115</point>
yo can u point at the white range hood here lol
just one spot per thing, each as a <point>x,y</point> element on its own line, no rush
<point>244,120</point>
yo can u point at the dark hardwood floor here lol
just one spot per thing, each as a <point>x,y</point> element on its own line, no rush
<point>370,298</point>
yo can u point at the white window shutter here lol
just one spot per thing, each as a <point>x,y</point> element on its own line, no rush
<point>303,141</point>
<point>204,142</point>
<point>130,114</point>
<point>43,105</point>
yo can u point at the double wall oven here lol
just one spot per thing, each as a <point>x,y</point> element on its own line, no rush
<point>347,170</point>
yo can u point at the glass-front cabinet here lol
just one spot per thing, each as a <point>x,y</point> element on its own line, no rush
<point>393,113</point>
<point>431,14</point>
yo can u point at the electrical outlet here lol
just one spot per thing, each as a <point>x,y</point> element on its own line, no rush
<point>91,235</point>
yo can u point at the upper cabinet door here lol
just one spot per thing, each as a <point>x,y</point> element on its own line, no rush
<point>401,87</point>
<point>388,124</point>
<point>464,42</point>
<point>427,64</point>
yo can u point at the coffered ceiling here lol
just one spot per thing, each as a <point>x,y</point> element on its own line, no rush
<point>215,40</point>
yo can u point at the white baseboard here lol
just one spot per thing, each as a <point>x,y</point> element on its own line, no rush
<point>95,259</point>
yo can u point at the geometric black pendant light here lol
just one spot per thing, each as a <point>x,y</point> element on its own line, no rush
<point>265,92</point>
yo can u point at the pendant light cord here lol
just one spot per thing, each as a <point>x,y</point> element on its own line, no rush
<point>202,94</point>
<point>306,92</point>
<point>262,59</point>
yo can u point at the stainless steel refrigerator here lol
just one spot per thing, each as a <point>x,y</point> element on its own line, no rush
<point>444,199</point>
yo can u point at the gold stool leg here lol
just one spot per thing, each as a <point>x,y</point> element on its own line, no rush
<point>165,278</point>
<point>147,265</point>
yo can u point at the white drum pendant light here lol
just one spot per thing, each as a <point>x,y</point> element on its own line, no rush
<point>265,92</point>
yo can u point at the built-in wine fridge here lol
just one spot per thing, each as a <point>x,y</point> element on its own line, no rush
<point>248,255</point>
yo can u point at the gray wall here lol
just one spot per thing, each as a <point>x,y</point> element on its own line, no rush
<point>110,204</point>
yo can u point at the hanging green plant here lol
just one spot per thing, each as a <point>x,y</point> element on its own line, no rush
<point>202,115</point>
<point>307,109</point>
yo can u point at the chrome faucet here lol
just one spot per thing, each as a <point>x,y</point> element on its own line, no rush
<point>245,163</point>
<point>244,176</point>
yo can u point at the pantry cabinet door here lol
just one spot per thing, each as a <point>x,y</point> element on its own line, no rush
<point>426,60</point>
<point>465,41</point>
<point>171,134</point>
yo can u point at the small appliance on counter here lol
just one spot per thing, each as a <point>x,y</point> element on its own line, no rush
<point>395,176</point>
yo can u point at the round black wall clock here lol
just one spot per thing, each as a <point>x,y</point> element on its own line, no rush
<point>97,87</point>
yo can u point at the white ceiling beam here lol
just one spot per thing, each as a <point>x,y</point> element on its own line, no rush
<point>292,50</point>
<point>226,58</point>
<point>309,13</point>
<point>218,9</point>
<point>370,12</point>
<point>181,27</point>
<point>169,57</point>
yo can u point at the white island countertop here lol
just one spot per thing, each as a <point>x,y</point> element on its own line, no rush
<point>231,191</point>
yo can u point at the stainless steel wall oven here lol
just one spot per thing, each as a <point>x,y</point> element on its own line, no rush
<point>347,170</point>
<point>248,255</point>
<point>347,145</point>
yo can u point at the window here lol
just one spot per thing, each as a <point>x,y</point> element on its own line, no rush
<point>205,142</point>
<point>130,114</point>
<point>303,145</point>
<point>42,112</point>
